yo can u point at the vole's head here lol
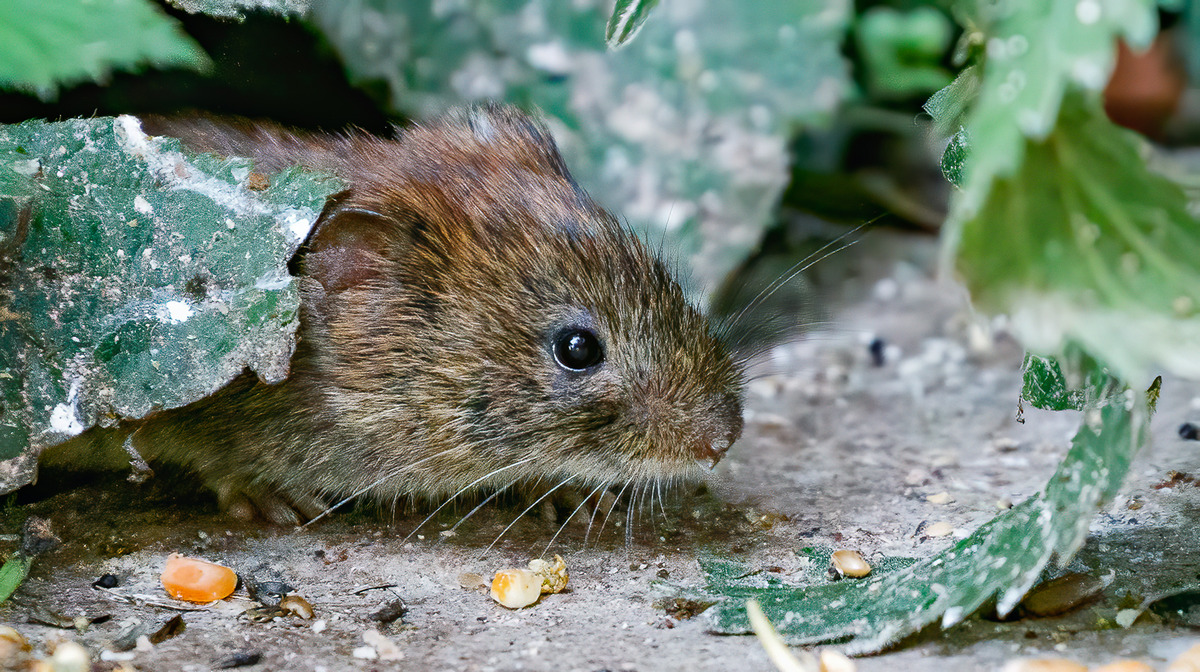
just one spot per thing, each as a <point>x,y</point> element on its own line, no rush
<point>478,313</point>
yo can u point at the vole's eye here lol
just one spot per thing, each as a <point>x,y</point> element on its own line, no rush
<point>577,349</point>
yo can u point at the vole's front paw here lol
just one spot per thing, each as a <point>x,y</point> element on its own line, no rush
<point>281,508</point>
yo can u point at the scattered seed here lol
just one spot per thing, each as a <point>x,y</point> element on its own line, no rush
<point>836,661</point>
<point>940,498</point>
<point>849,563</point>
<point>385,649</point>
<point>939,529</point>
<point>1188,661</point>
<point>12,643</point>
<point>70,657</point>
<point>1058,596</point>
<point>516,588</point>
<point>1124,666</point>
<point>294,605</point>
<point>554,574</point>
<point>196,580</point>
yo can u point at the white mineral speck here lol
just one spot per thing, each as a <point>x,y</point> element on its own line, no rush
<point>176,312</point>
<point>63,420</point>
<point>296,223</point>
<point>140,204</point>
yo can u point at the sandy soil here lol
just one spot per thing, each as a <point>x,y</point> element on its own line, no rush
<point>838,452</point>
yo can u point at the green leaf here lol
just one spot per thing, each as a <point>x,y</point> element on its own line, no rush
<point>13,573</point>
<point>1085,245</point>
<point>1045,385</point>
<point>135,278</point>
<point>683,131</point>
<point>1002,559</point>
<point>1032,54</point>
<point>626,20</point>
<point>48,43</point>
<point>902,51</point>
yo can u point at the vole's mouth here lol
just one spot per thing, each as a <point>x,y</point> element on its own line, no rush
<point>708,452</point>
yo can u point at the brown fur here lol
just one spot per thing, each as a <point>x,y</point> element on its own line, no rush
<point>432,289</point>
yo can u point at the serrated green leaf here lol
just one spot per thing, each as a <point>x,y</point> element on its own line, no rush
<point>949,105</point>
<point>683,131</point>
<point>49,43</point>
<point>136,278</point>
<point>1085,245</point>
<point>1002,559</point>
<point>626,20</point>
<point>1046,386</point>
<point>1033,53</point>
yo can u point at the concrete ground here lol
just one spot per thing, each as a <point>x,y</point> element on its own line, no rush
<point>838,452</point>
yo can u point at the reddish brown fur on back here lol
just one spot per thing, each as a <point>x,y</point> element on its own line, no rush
<point>434,289</point>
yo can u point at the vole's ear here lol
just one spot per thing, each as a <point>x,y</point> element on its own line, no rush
<point>346,249</point>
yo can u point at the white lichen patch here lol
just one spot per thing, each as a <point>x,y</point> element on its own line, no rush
<point>176,171</point>
<point>140,204</point>
<point>175,312</point>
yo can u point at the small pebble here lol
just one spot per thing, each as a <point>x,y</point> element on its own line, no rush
<point>878,350</point>
<point>239,659</point>
<point>1189,432</point>
<point>1126,617</point>
<point>106,581</point>
<point>390,612</point>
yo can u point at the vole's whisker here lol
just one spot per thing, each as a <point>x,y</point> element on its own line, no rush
<point>522,514</point>
<point>481,505</point>
<point>568,519</point>
<point>387,475</point>
<point>629,518</point>
<point>616,500</point>
<point>798,268</point>
<point>661,502</point>
<point>464,489</point>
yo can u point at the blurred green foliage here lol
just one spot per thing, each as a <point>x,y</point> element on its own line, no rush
<point>50,43</point>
